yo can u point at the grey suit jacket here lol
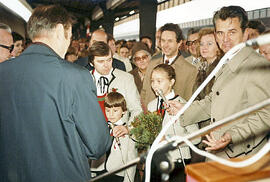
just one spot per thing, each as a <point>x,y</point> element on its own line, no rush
<point>50,120</point>
<point>243,82</point>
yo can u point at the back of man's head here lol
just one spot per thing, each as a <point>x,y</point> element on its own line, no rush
<point>46,18</point>
<point>232,12</point>
<point>174,28</point>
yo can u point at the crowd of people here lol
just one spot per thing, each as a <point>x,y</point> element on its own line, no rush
<point>67,105</point>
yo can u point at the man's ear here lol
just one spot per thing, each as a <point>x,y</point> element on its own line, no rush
<point>172,82</point>
<point>246,34</point>
<point>179,44</point>
<point>59,29</point>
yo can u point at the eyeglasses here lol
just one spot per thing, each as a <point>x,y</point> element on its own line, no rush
<point>10,48</point>
<point>138,59</point>
<point>190,43</point>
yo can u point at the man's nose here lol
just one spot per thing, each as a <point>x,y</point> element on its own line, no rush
<point>226,37</point>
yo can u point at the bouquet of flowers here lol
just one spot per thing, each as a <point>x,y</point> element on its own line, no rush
<point>146,127</point>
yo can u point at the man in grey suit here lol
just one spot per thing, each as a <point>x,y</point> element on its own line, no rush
<point>192,43</point>
<point>242,82</point>
<point>50,119</point>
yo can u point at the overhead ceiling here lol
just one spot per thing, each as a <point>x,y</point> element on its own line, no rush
<point>94,10</point>
<point>86,8</point>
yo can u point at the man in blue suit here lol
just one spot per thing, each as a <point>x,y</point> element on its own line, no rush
<point>50,120</point>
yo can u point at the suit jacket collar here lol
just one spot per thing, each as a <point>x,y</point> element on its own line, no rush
<point>241,56</point>
<point>178,58</point>
<point>163,57</point>
<point>40,48</point>
<point>113,76</point>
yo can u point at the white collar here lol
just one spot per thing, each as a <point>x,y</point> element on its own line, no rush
<point>119,122</point>
<point>170,59</point>
<point>97,75</point>
<point>171,95</point>
<point>232,55</point>
<point>101,88</point>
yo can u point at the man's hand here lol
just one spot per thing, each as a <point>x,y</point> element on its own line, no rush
<point>119,131</point>
<point>214,144</point>
<point>174,107</point>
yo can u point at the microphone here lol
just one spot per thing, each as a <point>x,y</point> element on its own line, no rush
<point>261,40</point>
<point>160,93</point>
<point>116,138</point>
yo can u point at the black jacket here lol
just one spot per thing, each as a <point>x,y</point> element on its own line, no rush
<point>115,64</point>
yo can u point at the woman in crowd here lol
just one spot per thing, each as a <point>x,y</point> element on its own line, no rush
<point>141,57</point>
<point>18,44</point>
<point>210,54</point>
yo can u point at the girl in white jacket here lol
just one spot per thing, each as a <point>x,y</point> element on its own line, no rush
<point>162,80</point>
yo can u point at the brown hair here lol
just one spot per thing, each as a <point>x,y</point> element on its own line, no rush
<point>47,18</point>
<point>98,48</point>
<point>256,24</point>
<point>192,31</point>
<point>115,99</point>
<point>166,68</point>
<point>208,31</point>
<point>173,28</point>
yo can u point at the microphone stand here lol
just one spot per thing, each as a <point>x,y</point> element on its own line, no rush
<point>172,145</point>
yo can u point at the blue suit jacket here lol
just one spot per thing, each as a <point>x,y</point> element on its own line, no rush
<point>50,120</point>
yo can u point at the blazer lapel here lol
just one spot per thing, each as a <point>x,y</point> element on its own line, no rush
<point>113,77</point>
<point>175,58</point>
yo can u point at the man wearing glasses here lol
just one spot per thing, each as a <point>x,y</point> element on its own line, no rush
<point>192,43</point>
<point>6,42</point>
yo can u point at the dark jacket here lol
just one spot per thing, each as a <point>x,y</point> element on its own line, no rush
<point>50,120</point>
<point>203,73</point>
<point>115,64</point>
